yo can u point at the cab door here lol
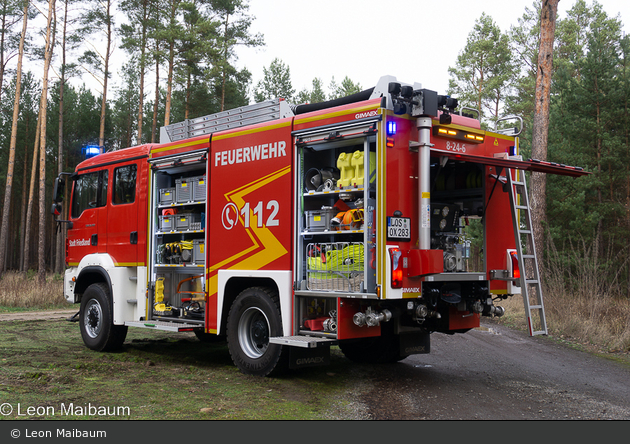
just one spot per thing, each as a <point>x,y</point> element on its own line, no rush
<point>88,214</point>
<point>122,215</point>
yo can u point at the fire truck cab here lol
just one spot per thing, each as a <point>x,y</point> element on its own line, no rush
<point>290,229</point>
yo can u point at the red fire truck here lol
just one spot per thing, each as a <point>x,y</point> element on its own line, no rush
<point>290,229</point>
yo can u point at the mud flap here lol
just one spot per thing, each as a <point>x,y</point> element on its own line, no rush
<point>414,343</point>
<point>300,357</point>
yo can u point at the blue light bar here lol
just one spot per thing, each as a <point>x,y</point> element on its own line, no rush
<point>91,151</point>
<point>391,128</point>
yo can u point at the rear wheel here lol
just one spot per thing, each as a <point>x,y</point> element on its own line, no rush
<point>96,320</point>
<point>254,318</point>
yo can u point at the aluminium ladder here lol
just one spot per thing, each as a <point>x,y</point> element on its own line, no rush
<point>266,111</point>
<point>531,288</point>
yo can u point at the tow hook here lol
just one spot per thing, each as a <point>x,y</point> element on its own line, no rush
<point>495,310</point>
<point>488,309</point>
<point>371,318</point>
<point>422,312</point>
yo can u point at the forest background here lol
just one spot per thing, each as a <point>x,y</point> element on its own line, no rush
<point>181,62</point>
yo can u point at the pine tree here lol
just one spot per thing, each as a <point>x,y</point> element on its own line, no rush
<point>14,126</point>
<point>135,41</point>
<point>544,71</point>
<point>276,82</point>
<point>589,129</point>
<point>233,32</point>
<point>42,145</point>
<point>10,15</point>
<point>347,88</point>
<point>99,20</point>
<point>484,68</point>
<point>314,95</point>
<point>524,44</point>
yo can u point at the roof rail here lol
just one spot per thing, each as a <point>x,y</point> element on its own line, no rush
<point>235,118</point>
<point>510,131</point>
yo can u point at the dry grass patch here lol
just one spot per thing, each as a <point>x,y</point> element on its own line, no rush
<point>585,300</point>
<point>22,290</point>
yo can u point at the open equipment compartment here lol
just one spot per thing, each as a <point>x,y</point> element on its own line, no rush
<point>336,235</point>
<point>457,205</point>
<point>177,249</point>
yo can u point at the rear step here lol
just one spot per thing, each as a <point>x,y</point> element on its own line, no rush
<point>303,341</point>
<point>161,325</point>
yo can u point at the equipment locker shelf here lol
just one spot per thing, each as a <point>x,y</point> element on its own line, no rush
<point>177,267</point>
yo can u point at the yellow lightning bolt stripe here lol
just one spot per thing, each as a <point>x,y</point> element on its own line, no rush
<point>272,248</point>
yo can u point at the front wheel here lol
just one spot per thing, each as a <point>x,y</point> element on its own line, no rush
<point>254,318</point>
<point>96,320</point>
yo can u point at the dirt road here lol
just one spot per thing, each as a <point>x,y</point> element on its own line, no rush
<point>491,373</point>
<point>495,373</point>
<point>38,315</point>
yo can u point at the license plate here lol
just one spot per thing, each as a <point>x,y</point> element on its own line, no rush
<point>399,228</point>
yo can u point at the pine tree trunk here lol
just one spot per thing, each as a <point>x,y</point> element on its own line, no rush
<point>225,57</point>
<point>2,46</point>
<point>171,65</point>
<point>60,233</point>
<point>101,136</point>
<point>143,45</point>
<point>24,201</point>
<point>157,92</point>
<point>188,86</point>
<point>538,192</point>
<point>42,147</point>
<point>31,195</point>
<point>4,230</point>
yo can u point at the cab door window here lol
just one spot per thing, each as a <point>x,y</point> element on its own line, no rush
<point>90,191</point>
<point>124,185</point>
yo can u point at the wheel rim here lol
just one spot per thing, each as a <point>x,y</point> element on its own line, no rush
<point>253,332</point>
<point>93,318</point>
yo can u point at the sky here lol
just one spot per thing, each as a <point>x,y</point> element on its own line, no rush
<point>413,40</point>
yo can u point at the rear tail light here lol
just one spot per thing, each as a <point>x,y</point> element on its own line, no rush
<point>395,256</point>
<point>516,271</point>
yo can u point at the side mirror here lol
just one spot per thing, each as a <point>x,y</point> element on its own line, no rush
<point>58,189</point>
<point>56,209</point>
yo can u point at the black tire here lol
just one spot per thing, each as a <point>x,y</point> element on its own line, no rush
<point>96,320</point>
<point>254,318</point>
<point>382,349</point>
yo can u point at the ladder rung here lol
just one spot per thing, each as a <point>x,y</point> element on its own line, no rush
<point>532,281</point>
<point>525,231</point>
<point>535,307</point>
<point>522,207</point>
<point>528,256</point>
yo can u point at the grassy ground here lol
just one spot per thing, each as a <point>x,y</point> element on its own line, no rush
<point>175,377</point>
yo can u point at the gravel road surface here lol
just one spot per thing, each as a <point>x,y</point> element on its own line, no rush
<point>495,373</point>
